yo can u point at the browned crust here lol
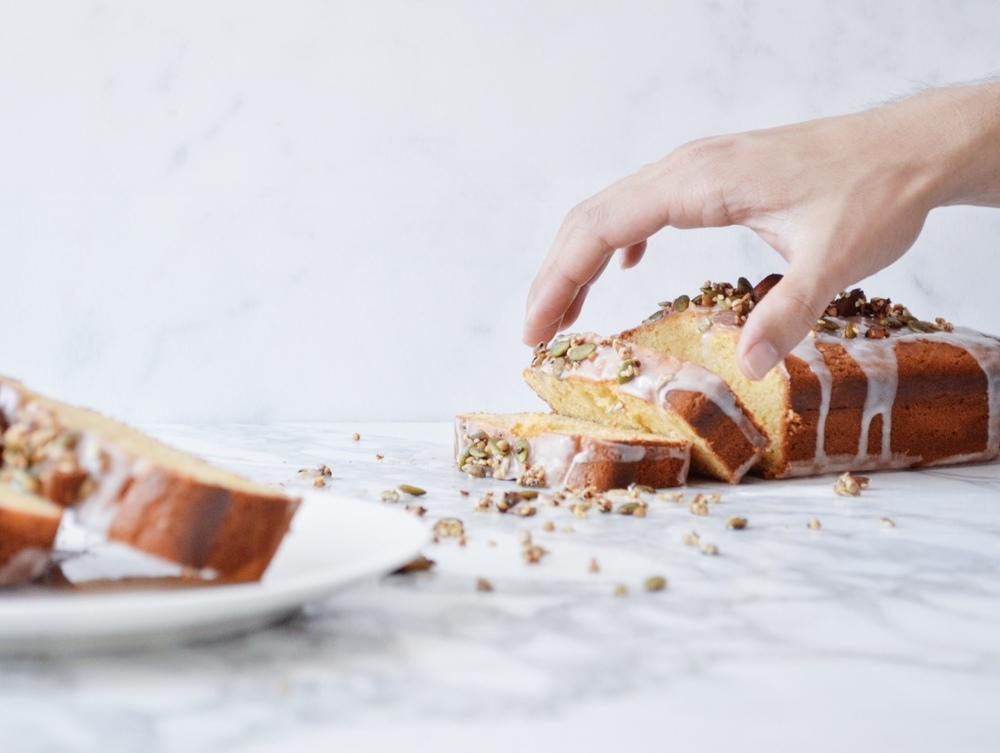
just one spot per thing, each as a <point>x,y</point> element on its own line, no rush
<point>732,448</point>
<point>22,530</point>
<point>941,408</point>
<point>660,466</point>
<point>231,532</point>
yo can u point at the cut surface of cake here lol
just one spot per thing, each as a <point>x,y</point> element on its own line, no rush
<point>541,449</point>
<point>125,485</point>
<point>618,384</point>
<point>28,527</point>
<point>871,387</point>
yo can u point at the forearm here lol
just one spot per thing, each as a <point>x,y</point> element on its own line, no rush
<point>963,128</point>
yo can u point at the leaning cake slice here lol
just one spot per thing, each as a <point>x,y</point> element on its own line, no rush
<point>618,384</point>
<point>123,484</point>
<point>544,449</point>
<point>871,387</point>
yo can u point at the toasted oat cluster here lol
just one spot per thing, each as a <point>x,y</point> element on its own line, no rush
<point>874,318</point>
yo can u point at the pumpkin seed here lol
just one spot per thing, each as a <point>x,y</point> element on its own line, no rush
<point>850,331</point>
<point>580,352</point>
<point>655,583</point>
<point>658,314</point>
<point>521,451</point>
<point>918,326</point>
<point>559,348</point>
<point>825,324</point>
<point>892,321</point>
<point>413,491</point>
<point>681,302</point>
<point>627,371</point>
<point>477,452</point>
<point>503,445</point>
<point>628,508</point>
<point>492,448</point>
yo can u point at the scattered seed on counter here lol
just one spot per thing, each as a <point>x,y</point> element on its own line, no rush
<point>413,491</point>
<point>736,523</point>
<point>417,565</point>
<point>655,583</point>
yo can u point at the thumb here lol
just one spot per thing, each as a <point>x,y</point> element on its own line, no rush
<point>781,319</point>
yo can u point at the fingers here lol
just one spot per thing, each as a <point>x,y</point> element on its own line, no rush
<point>622,216</point>
<point>573,312</point>
<point>632,255</point>
<point>782,318</point>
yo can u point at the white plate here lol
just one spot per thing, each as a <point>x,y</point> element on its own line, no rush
<point>333,543</point>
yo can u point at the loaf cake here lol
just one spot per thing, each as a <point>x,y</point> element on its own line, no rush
<point>540,449</point>
<point>619,384</point>
<point>871,387</point>
<point>131,488</point>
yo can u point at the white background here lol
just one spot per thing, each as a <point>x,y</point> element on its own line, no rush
<point>261,211</point>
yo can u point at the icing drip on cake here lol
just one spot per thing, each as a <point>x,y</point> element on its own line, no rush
<point>877,359</point>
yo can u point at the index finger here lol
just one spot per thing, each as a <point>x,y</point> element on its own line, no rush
<point>620,216</point>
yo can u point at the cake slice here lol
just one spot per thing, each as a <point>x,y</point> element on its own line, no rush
<point>28,526</point>
<point>134,489</point>
<point>544,449</point>
<point>871,387</point>
<point>618,384</point>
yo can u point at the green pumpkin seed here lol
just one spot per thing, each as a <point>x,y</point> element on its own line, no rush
<point>627,371</point>
<point>559,348</point>
<point>681,302</point>
<point>824,324</point>
<point>413,491</point>
<point>503,445</point>
<point>581,352</point>
<point>655,583</point>
<point>892,321</point>
<point>477,452</point>
<point>628,508</point>
<point>521,451</point>
<point>918,326</point>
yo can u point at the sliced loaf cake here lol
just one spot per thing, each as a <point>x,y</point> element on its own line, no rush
<point>619,384</point>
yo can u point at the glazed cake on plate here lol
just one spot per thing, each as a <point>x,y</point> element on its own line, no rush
<point>129,487</point>
<point>619,384</point>
<point>872,386</point>
<point>541,449</point>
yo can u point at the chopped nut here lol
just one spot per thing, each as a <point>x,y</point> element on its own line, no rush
<point>379,456</point>
<point>655,583</point>
<point>525,511</point>
<point>691,539</point>
<point>464,492</point>
<point>548,526</point>
<point>418,510</point>
<point>736,523</point>
<point>850,486</point>
<point>710,549</point>
<point>631,508</point>
<point>593,567</point>
<point>319,482</point>
<point>699,505</point>
<point>449,528</point>
<point>621,590</point>
<point>533,554</point>
<point>483,585</point>
<point>356,437</point>
<point>532,477</point>
<point>413,491</point>
<point>888,523</point>
<point>390,495</point>
<point>814,524</point>
<point>713,499</point>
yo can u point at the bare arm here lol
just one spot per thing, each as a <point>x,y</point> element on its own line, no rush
<point>839,198</point>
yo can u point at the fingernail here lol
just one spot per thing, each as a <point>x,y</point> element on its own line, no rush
<point>759,360</point>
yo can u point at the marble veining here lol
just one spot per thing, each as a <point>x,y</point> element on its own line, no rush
<point>854,636</point>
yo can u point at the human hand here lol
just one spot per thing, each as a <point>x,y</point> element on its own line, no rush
<point>839,198</point>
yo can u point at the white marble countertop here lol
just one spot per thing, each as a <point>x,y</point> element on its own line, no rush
<point>857,636</point>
